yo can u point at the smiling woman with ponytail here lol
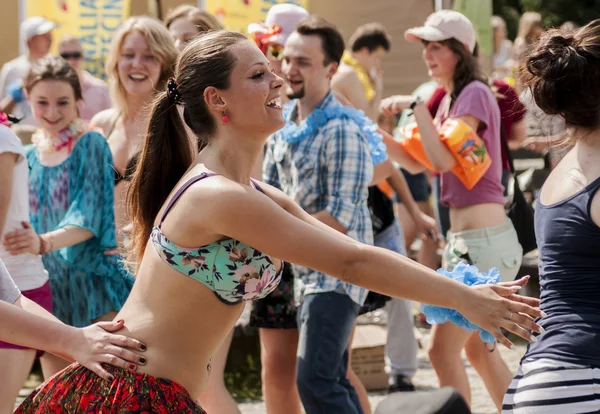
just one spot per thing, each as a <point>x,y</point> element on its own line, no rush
<point>207,238</point>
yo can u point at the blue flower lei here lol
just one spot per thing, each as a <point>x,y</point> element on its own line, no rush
<point>292,133</point>
<point>470,276</point>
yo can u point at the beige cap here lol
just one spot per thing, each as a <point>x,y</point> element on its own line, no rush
<point>444,25</point>
<point>34,26</point>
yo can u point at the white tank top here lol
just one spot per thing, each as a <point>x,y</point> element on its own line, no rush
<point>27,269</point>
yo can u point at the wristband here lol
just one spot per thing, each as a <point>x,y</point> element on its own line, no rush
<point>42,250</point>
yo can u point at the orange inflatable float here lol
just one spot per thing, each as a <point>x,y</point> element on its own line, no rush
<point>472,158</point>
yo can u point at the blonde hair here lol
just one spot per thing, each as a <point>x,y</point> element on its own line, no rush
<point>161,45</point>
<point>527,23</point>
<point>202,19</point>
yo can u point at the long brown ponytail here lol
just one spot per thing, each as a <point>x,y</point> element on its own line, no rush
<point>166,154</point>
<point>164,158</point>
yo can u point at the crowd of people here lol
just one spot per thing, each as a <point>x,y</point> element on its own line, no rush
<point>215,169</point>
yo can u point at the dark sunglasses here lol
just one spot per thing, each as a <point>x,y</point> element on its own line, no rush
<point>72,55</point>
<point>274,51</point>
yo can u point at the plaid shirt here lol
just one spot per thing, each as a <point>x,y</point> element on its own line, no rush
<point>329,170</point>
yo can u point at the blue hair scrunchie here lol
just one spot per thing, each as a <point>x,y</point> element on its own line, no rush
<point>470,276</point>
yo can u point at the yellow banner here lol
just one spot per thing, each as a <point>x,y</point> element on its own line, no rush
<point>92,21</point>
<point>238,14</point>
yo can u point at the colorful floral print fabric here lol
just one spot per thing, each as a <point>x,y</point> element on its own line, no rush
<point>279,309</point>
<point>78,390</point>
<point>233,270</point>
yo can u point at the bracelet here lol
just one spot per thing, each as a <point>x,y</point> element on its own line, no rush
<point>46,242</point>
<point>417,101</point>
<point>42,245</point>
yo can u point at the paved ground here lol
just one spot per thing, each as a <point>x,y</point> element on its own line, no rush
<point>426,379</point>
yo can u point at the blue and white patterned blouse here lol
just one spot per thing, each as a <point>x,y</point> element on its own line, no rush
<point>79,192</point>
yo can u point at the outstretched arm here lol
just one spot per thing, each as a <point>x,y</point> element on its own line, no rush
<point>263,224</point>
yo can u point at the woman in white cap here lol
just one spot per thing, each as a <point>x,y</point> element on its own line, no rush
<point>480,231</point>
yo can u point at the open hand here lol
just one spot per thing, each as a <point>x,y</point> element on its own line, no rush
<point>425,225</point>
<point>95,344</point>
<point>395,104</point>
<point>21,241</point>
<point>498,306</point>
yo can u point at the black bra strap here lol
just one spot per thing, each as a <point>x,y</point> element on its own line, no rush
<point>180,191</point>
<point>258,187</point>
<point>187,185</point>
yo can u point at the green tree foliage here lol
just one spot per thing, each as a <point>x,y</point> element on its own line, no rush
<point>554,12</point>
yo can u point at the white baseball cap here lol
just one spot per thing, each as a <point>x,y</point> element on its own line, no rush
<point>444,25</point>
<point>35,26</point>
<point>285,15</point>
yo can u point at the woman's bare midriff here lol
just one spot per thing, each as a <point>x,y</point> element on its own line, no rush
<point>180,320</point>
<point>477,216</point>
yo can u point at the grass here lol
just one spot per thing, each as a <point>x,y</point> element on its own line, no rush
<point>242,371</point>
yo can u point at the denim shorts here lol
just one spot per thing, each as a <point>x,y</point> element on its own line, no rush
<point>418,184</point>
<point>496,246</point>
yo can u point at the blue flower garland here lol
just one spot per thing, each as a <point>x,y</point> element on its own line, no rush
<point>292,133</point>
<point>470,276</point>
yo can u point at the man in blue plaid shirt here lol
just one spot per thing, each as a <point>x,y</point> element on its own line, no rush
<point>323,162</point>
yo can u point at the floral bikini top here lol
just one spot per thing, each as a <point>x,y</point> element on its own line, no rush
<point>233,270</point>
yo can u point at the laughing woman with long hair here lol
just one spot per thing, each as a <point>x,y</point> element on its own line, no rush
<point>140,60</point>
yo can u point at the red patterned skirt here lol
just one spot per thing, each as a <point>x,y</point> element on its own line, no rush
<point>78,390</point>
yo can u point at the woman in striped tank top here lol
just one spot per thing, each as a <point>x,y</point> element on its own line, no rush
<point>560,373</point>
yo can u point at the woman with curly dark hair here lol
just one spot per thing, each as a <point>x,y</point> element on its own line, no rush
<point>561,370</point>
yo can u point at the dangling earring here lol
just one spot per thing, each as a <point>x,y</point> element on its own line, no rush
<point>225,118</point>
